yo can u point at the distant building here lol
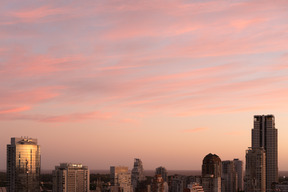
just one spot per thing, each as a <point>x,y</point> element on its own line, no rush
<point>255,174</point>
<point>229,177</point>
<point>194,187</point>
<point>120,179</point>
<point>137,173</point>
<point>282,187</point>
<point>163,172</point>
<point>71,177</point>
<point>239,171</point>
<point>211,173</point>
<point>264,134</point>
<point>23,165</point>
<point>177,183</point>
<point>158,184</point>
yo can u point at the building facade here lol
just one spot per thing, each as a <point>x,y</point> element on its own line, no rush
<point>177,183</point>
<point>163,172</point>
<point>238,164</point>
<point>120,179</point>
<point>23,165</point>
<point>158,184</point>
<point>71,177</point>
<point>264,134</point>
<point>211,173</point>
<point>194,187</point>
<point>255,174</point>
<point>137,173</point>
<point>229,177</point>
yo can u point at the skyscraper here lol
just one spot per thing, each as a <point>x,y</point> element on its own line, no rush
<point>264,134</point>
<point>23,165</point>
<point>211,173</point>
<point>137,173</point>
<point>71,177</point>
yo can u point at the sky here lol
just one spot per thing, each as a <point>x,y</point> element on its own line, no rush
<point>103,82</point>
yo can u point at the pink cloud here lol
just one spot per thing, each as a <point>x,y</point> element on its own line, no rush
<point>29,96</point>
<point>31,15</point>
<point>14,110</point>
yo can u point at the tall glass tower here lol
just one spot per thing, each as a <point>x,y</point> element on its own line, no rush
<point>264,135</point>
<point>23,165</point>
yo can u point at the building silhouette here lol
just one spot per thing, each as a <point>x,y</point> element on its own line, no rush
<point>229,177</point>
<point>23,165</point>
<point>71,177</point>
<point>211,173</point>
<point>239,172</point>
<point>137,173</point>
<point>255,174</point>
<point>264,135</point>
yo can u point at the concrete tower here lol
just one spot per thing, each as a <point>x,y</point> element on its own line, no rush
<point>23,165</point>
<point>264,135</point>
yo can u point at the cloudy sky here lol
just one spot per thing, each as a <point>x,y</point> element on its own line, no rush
<point>102,82</point>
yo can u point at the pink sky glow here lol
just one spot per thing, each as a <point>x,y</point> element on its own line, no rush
<point>104,82</point>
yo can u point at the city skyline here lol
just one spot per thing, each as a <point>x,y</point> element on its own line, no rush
<point>168,82</point>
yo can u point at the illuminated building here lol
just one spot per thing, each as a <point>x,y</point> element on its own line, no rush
<point>71,177</point>
<point>264,134</point>
<point>23,165</point>
<point>211,173</point>
<point>120,179</point>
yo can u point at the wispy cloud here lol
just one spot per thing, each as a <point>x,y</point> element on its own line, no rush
<point>14,109</point>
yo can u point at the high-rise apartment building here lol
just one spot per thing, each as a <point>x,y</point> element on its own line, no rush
<point>264,134</point>
<point>137,173</point>
<point>23,165</point>
<point>163,172</point>
<point>229,177</point>
<point>71,177</point>
<point>120,179</point>
<point>238,164</point>
<point>255,174</point>
<point>211,173</point>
